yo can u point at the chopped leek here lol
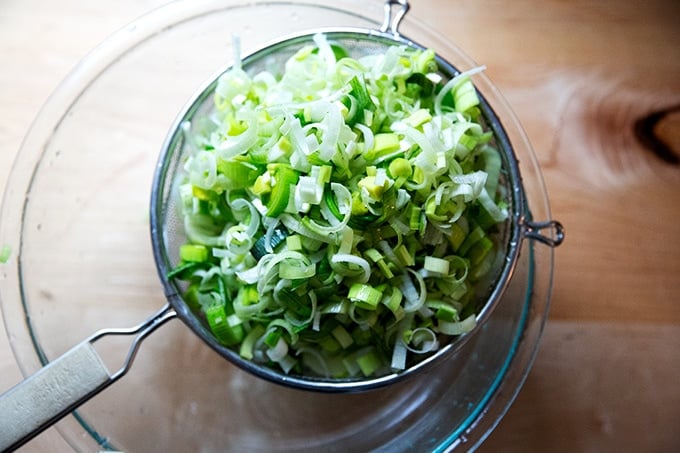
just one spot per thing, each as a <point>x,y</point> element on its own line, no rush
<point>338,215</point>
<point>5,253</point>
<point>193,253</point>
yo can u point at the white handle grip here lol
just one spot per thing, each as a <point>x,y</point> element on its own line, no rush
<point>55,390</point>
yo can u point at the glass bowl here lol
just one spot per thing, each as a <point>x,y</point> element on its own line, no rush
<point>75,215</point>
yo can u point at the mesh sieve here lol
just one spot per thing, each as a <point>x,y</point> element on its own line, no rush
<point>167,228</point>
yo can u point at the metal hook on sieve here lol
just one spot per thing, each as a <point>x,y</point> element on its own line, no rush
<point>393,19</point>
<point>532,231</point>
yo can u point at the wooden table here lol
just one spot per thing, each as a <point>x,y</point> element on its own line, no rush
<point>583,77</point>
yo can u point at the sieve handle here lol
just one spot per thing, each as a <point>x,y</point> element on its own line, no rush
<point>51,393</point>
<point>42,399</point>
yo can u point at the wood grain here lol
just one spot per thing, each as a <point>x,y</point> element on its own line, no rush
<point>572,401</point>
<point>659,133</point>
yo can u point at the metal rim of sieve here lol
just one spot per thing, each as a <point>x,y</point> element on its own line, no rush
<point>519,223</point>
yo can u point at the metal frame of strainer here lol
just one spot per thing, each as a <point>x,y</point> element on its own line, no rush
<point>79,374</point>
<point>521,226</point>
